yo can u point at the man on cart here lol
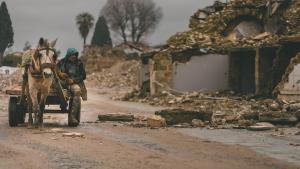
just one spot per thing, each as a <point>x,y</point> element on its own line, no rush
<point>72,74</point>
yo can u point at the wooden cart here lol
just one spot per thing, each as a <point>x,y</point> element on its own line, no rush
<point>19,106</point>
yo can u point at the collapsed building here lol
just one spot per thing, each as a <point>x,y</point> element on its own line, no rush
<point>244,46</point>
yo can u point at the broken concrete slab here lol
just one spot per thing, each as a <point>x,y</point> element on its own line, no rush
<point>294,107</point>
<point>177,116</point>
<point>278,118</point>
<point>156,121</point>
<point>73,135</point>
<point>261,127</point>
<point>250,116</point>
<point>182,125</point>
<point>116,117</point>
<point>198,123</point>
<point>246,122</point>
<point>58,130</point>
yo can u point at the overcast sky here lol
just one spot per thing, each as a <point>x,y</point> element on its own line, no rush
<point>56,19</point>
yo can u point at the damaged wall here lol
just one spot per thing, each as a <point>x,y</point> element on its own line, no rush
<point>294,79</point>
<point>160,72</point>
<point>289,84</point>
<point>201,73</point>
<point>282,60</point>
<point>257,25</point>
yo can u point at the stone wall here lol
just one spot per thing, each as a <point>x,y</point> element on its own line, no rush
<point>160,72</point>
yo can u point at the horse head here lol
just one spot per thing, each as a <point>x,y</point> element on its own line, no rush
<point>45,57</point>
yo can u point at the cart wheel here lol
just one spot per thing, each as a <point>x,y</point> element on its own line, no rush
<point>22,113</point>
<point>76,109</point>
<point>13,116</point>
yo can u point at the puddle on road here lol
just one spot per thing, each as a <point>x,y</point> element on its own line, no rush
<point>129,138</point>
<point>261,142</point>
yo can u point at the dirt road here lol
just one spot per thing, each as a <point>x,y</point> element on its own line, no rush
<point>114,145</point>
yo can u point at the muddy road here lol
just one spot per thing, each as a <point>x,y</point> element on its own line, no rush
<point>115,145</point>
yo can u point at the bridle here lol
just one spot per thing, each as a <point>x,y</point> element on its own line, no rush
<point>36,65</point>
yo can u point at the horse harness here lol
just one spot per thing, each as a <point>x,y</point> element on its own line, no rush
<point>36,66</point>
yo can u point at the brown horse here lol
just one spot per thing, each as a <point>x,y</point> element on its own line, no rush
<point>40,78</point>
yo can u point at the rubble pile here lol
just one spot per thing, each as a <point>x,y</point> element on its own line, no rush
<point>7,81</point>
<point>121,75</point>
<point>96,58</point>
<point>292,18</point>
<point>227,107</point>
<point>208,32</point>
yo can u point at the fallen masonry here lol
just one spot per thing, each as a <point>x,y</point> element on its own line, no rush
<point>277,117</point>
<point>178,116</point>
<point>219,109</point>
<point>116,117</point>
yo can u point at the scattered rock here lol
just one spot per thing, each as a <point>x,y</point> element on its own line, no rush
<point>294,144</point>
<point>198,123</point>
<point>294,107</point>
<point>274,106</point>
<point>8,81</point>
<point>246,122</point>
<point>297,133</point>
<point>156,121</point>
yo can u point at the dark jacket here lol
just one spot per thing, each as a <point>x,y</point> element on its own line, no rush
<point>74,70</point>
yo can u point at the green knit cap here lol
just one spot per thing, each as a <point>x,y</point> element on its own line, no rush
<point>71,52</point>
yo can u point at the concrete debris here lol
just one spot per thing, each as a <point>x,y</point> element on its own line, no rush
<point>198,123</point>
<point>261,127</point>
<point>120,75</point>
<point>96,58</point>
<point>210,30</point>
<point>156,121</point>
<point>57,130</point>
<point>8,81</point>
<point>222,108</point>
<point>116,117</point>
<point>177,116</point>
<point>73,135</point>
<point>182,125</point>
<point>294,144</point>
<point>278,117</point>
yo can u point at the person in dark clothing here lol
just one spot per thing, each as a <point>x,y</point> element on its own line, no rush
<point>72,73</point>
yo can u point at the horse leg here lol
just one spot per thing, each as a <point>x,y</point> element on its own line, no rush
<point>35,105</point>
<point>33,94</point>
<point>42,110</point>
<point>30,119</point>
<point>29,102</point>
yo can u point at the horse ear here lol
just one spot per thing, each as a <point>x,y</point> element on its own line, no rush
<point>53,43</point>
<point>41,42</point>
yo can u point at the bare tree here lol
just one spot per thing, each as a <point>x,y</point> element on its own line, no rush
<point>132,18</point>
